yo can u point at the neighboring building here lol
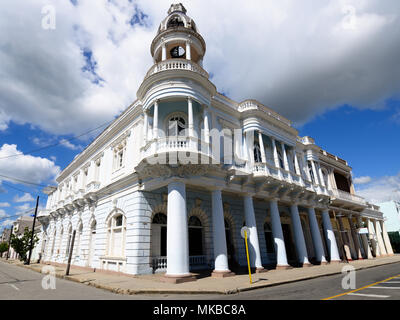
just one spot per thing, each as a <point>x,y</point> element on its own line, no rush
<point>391,213</point>
<point>5,237</point>
<point>137,211</point>
<point>19,226</point>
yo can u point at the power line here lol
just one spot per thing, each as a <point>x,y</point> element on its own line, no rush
<point>12,187</point>
<point>56,144</point>
<point>23,181</point>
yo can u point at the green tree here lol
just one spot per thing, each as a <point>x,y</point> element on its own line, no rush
<point>3,247</point>
<point>22,245</point>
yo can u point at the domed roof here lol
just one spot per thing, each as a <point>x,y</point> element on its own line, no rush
<point>177,18</point>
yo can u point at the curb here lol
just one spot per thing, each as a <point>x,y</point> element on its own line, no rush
<point>90,282</point>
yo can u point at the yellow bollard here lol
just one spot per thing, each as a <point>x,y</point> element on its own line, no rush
<point>247,253</point>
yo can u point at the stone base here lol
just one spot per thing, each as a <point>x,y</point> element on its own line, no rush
<point>282,267</point>
<point>179,279</point>
<point>323,263</point>
<point>261,270</point>
<point>335,261</point>
<point>222,274</point>
<point>307,265</point>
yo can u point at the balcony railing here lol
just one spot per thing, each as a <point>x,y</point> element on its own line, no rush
<point>195,262</point>
<point>339,194</point>
<point>177,64</point>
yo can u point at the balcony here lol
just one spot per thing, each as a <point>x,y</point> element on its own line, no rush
<point>345,199</point>
<point>177,64</point>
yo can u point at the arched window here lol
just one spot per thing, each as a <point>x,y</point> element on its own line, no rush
<point>116,235</point>
<point>60,241</point>
<point>92,242</point>
<point>78,240</point>
<point>69,239</point>
<point>175,22</point>
<point>257,153</point>
<point>159,235</point>
<point>269,238</point>
<point>54,242</point>
<point>176,126</point>
<point>195,236</point>
<point>177,52</point>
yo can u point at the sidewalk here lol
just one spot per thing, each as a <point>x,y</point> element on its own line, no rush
<point>153,284</point>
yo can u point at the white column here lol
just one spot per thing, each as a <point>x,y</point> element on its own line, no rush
<point>255,255</point>
<point>177,231</point>
<point>262,148</point>
<point>373,237</point>
<point>321,175</point>
<point>155,120</point>
<point>188,51</point>
<point>297,167</point>
<point>316,236</point>
<point>285,158</point>
<point>281,257</point>
<point>250,146</point>
<point>275,153</point>
<point>379,236</point>
<point>364,239</point>
<point>354,235</point>
<point>145,126</point>
<point>299,236</point>
<point>386,239</point>
<point>206,129</point>
<point>330,236</point>
<point>164,52</point>
<point>190,116</point>
<point>314,169</point>
<point>219,239</point>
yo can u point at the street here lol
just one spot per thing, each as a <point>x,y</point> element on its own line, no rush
<point>379,283</point>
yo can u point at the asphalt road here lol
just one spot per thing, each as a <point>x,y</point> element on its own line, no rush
<point>17,283</point>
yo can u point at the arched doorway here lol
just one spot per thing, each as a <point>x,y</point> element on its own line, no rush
<point>195,236</point>
<point>269,238</point>
<point>158,250</point>
<point>92,242</point>
<point>230,246</point>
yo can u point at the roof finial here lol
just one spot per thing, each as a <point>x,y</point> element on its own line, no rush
<point>177,7</point>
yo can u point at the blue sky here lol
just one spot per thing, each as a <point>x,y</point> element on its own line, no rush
<point>330,66</point>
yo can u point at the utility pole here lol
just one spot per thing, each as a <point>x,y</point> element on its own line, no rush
<point>9,242</point>
<point>33,231</point>
<point>70,253</point>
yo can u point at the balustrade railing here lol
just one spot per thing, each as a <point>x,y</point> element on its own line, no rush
<point>177,64</point>
<point>347,196</point>
<point>160,263</point>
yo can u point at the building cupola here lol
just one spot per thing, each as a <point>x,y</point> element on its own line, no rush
<point>178,38</point>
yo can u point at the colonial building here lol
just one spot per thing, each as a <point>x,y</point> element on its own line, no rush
<point>169,184</point>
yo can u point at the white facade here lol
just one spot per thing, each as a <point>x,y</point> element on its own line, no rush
<point>151,193</point>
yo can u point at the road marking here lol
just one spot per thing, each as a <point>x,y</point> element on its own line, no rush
<point>368,295</point>
<point>13,286</point>
<point>368,286</point>
<point>385,288</point>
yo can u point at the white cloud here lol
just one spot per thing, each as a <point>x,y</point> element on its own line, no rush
<point>70,145</point>
<point>2,213</point>
<point>27,197</point>
<point>4,204</point>
<point>298,57</point>
<point>6,223</point>
<point>362,180</point>
<point>25,167</point>
<point>381,189</point>
<point>24,207</point>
